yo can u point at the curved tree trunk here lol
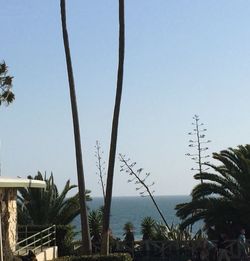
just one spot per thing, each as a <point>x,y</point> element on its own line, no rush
<point>81,184</point>
<point>114,132</point>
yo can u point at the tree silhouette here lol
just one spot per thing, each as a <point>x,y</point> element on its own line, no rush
<point>222,200</point>
<point>48,206</point>
<point>6,94</point>
<point>114,133</point>
<point>80,174</point>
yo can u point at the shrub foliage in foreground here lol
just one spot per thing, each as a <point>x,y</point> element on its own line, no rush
<point>111,257</point>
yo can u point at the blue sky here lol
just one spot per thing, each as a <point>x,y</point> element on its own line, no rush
<point>182,58</point>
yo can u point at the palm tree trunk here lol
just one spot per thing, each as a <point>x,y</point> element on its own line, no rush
<point>81,184</point>
<point>114,132</point>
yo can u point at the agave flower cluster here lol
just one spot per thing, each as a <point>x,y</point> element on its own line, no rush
<point>138,177</point>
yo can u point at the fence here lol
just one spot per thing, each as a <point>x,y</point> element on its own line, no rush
<point>169,250</point>
<point>35,241</point>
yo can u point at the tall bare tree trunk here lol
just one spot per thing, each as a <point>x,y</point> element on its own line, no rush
<point>80,174</point>
<point>114,132</point>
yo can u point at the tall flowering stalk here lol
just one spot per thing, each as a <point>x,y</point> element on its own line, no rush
<point>198,142</point>
<point>139,178</point>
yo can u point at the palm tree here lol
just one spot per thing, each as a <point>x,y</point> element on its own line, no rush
<point>148,228</point>
<point>128,228</point>
<point>95,226</point>
<point>129,237</point>
<point>80,174</point>
<point>6,94</point>
<point>48,206</point>
<point>223,198</point>
<point>114,133</point>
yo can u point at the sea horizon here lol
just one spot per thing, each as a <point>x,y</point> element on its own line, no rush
<point>134,208</point>
<point>138,196</point>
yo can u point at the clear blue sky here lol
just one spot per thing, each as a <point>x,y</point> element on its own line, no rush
<point>182,58</point>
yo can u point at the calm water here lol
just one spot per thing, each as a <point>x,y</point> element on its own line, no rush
<point>134,209</point>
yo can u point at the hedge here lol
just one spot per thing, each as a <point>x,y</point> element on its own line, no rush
<point>111,257</point>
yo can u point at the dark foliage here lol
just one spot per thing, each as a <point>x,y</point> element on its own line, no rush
<point>47,206</point>
<point>64,239</point>
<point>222,201</point>
<point>6,94</point>
<point>111,257</point>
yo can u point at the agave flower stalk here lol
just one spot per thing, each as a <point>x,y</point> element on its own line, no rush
<point>140,181</point>
<point>198,142</point>
<point>100,166</point>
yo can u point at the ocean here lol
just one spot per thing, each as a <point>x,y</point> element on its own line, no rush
<point>134,209</point>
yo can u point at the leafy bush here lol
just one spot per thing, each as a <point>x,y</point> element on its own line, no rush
<point>64,239</point>
<point>47,206</point>
<point>111,257</point>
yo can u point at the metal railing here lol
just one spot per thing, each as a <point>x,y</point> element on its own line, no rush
<point>173,250</point>
<point>37,242</point>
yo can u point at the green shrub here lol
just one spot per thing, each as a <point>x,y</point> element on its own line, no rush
<point>111,257</point>
<point>64,239</point>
